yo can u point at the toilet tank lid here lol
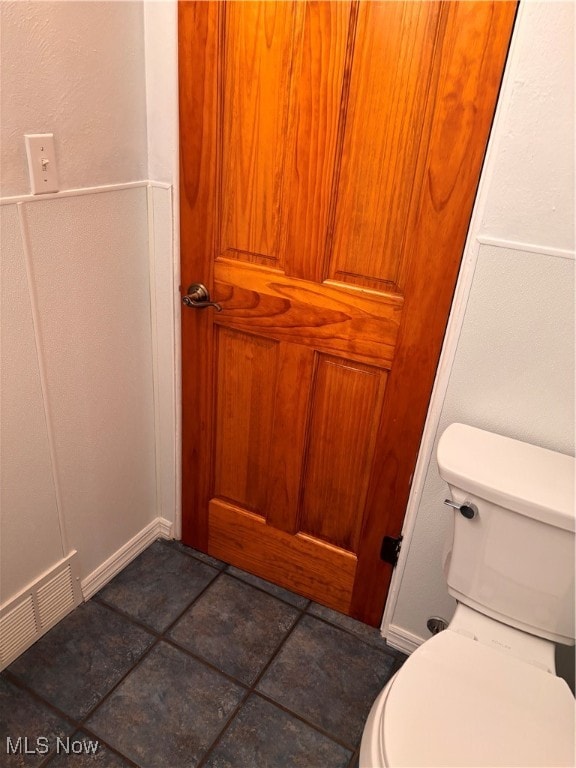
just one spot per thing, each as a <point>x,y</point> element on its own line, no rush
<point>525,478</point>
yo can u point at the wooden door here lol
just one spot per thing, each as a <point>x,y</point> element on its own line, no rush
<point>330,153</point>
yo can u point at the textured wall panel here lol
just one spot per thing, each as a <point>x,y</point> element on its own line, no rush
<point>514,372</point>
<point>83,78</point>
<point>91,278</point>
<point>514,375</point>
<point>539,135</point>
<point>30,540</point>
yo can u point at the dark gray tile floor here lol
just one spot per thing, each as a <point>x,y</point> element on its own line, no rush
<point>183,661</point>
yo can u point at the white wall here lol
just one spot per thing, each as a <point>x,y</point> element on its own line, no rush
<point>161,47</point>
<point>508,362</point>
<point>88,412</point>
<point>75,69</point>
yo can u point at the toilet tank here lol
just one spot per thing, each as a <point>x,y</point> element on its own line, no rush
<point>514,561</point>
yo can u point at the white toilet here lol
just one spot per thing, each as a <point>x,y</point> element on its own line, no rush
<point>484,692</point>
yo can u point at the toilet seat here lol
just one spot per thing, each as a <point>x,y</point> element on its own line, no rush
<point>457,702</point>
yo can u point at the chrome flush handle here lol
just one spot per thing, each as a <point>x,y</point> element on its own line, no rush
<point>199,298</point>
<point>468,510</point>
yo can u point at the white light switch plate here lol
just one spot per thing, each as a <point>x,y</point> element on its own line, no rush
<point>41,162</point>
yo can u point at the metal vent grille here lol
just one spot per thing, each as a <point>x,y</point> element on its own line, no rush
<point>18,629</point>
<point>26,617</point>
<point>56,597</point>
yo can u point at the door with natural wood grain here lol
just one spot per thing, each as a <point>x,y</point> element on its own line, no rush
<point>330,153</point>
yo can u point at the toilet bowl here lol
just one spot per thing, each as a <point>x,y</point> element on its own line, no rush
<point>458,702</point>
<point>484,691</point>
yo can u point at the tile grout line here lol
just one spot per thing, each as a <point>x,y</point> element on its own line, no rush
<point>131,619</point>
<point>305,609</point>
<point>106,696</point>
<point>251,688</point>
<point>248,689</point>
<point>318,728</point>
<point>252,691</point>
<point>15,680</point>
<point>225,570</point>
<point>163,636</point>
<point>158,638</point>
<point>148,627</point>
<point>77,724</point>
<point>265,591</point>
<point>219,736</point>
<point>388,651</point>
<point>279,647</point>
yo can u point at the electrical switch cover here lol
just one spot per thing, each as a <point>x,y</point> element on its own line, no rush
<point>41,162</point>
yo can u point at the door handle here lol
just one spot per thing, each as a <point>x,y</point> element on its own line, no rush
<point>198,297</point>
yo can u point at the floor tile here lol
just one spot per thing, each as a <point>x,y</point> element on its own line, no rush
<point>168,711</point>
<point>93,754</point>
<point>75,664</point>
<point>328,677</point>
<point>264,736</point>
<point>369,634</point>
<point>158,585</point>
<point>179,546</point>
<point>267,586</point>
<point>23,716</point>
<point>235,627</point>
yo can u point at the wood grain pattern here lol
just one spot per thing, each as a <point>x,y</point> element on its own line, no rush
<point>322,140</point>
<point>309,567</point>
<point>392,68</point>
<point>329,318</point>
<point>258,43</point>
<point>246,373</point>
<point>310,168</point>
<point>347,397</point>
<point>289,435</point>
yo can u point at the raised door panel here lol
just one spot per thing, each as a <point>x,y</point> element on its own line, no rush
<point>258,48</point>
<point>316,136</point>
<point>299,562</point>
<point>246,369</point>
<point>392,71</point>
<point>289,435</point>
<point>346,402</point>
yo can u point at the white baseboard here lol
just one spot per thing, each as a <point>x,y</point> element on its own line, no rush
<point>402,640</point>
<point>38,607</point>
<point>158,528</point>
